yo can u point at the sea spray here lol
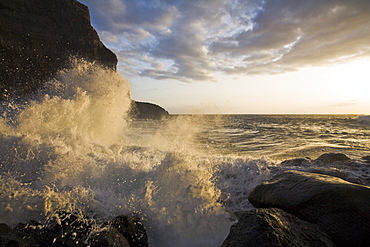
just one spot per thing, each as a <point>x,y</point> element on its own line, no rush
<point>72,148</point>
<point>85,101</point>
<point>364,119</point>
<point>46,144</point>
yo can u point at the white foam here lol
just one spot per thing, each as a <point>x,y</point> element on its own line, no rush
<point>364,119</point>
<point>71,149</point>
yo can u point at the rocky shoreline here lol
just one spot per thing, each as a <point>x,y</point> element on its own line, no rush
<point>293,208</point>
<point>70,229</point>
<point>296,208</point>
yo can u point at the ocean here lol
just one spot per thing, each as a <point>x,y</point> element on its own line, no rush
<point>72,147</point>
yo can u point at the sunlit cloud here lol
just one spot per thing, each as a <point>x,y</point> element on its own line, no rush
<point>193,40</point>
<point>345,103</point>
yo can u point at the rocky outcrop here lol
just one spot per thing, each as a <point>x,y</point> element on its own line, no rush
<point>109,236</point>
<point>143,110</point>
<point>333,164</point>
<point>332,157</point>
<point>73,230</point>
<point>339,207</point>
<point>37,39</point>
<point>273,227</point>
<point>132,229</point>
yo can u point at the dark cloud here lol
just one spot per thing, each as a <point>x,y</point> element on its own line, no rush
<point>191,40</point>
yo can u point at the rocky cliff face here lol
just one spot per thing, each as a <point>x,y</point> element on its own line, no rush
<point>38,37</point>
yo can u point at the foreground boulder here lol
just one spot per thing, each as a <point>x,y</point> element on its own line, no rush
<point>109,236</point>
<point>132,229</point>
<point>273,227</point>
<point>340,208</point>
<point>74,230</point>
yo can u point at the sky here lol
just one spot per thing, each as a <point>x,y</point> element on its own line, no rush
<point>241,56</point>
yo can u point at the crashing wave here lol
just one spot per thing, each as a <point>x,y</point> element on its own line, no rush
<point>364,119</point>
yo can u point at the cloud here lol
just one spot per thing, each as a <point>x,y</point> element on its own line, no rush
<point>345,103</point>
<point>192,40</point>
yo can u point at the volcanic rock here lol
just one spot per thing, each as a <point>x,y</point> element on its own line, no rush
<point>339,207</point>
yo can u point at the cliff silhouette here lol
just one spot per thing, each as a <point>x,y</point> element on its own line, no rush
<point>38,38</point>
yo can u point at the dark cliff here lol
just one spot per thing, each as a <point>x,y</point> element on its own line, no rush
<point>37,39</point>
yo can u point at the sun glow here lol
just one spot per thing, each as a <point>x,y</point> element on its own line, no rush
<point>352,80</point>
<point>337,89</point>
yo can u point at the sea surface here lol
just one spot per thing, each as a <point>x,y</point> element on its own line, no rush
<point>72,147</point>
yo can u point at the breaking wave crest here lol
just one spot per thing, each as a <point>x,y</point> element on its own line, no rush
<point>73,148</point>
<point>364,119</point>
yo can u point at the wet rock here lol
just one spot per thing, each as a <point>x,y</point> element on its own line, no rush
<point>13,243</point>
<point>132,229</point>
<point>124,231</point>
<point>332,157</point>
<point>9,237</point>
<point>108,237</point>
<point>67,229</point>
<point>295,162</point>
<point>4,229</point>
<point>274,227</point>
<point>5,239</point>
<point>70,229</point>
<point>339,207</point>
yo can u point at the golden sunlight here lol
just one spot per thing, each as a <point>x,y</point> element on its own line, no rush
<point>352,79</point>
